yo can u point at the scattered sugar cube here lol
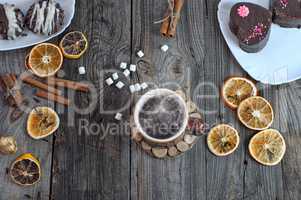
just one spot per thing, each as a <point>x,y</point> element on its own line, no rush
<point>137,87</point>
<point>144,86</point>
<point>123,65</point>
<point>126,72</point>
<point>109,81</point>
<point>82,70</point>
<point>140,54</point>
<point>115,76</point>
<point>133,67</point>
<point>164,48</point>
<point>132,88</point>
<point>120,84</point>
<point>118,116</point>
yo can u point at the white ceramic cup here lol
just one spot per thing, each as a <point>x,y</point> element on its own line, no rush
<point>142,101</point>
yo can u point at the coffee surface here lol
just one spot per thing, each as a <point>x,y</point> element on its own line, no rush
<point>162,116</point>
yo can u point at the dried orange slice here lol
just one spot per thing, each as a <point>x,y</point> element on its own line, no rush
<point>45,59</point>
<point>27,62</point>
<point>256,113</point>
<point>237,89</point>
<point>222,140</point>
<point>25,170</point>
<point>42,122</point>
<point>267,147</point>
<point>74,45</point>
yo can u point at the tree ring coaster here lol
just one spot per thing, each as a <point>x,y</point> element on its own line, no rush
<point>180,145</point>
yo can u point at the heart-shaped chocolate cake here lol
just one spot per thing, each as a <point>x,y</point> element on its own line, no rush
<point>287,13</point>
<point>251,24</point>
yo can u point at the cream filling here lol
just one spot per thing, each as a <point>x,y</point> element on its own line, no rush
<point>44,24</point>
<point>13,26</point>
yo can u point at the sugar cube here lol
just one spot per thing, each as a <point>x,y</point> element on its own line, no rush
<point>137,87</point>
<point>126,72</point>
<point>118,116</point>
<point>119,85</point>
<point>133,67</point>
<point>164,48</point>
<point>82,70</point>
<point>132,88</point>
<point>109,81</point>
<point>123,65</point>
<point>115,76</point>
<point>144,86</point>
<point>140,54</point>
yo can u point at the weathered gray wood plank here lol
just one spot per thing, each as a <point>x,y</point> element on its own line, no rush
<point>87,163</point>
<point>180,67</point>
<point>13,62</point>
<point>224,177</point>
<point>288,122</point>
<point>263,182</point>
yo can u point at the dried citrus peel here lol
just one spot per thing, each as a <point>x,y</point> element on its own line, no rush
<point>256,113</point>
<point>25,170</point>
<point>236,89</point>
<point>222,140</point>
<point>267,147</point>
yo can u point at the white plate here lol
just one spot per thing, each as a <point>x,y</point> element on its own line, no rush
<point>31,39</point>
<point>279,62</point>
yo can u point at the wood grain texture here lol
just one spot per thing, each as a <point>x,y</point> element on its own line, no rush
<point>88,164</point>
<point>288,122</point>
<point>13,62</point>
<point>221,172</point>
<point>181,178</point>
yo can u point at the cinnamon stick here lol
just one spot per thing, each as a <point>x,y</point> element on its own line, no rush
<point>53,97</point>
<point>41,85</point>
<point>165,25</point>
<point>68,84</point>
<point>13,94</point>
<point>176,17</point>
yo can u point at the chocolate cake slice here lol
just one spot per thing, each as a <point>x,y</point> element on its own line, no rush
<point>251,24</point>
<point>287,13</point>
<point>45,17</point>
<point>11,22</point>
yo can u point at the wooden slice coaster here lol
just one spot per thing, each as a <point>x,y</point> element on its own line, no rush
<point>179,146</point>
<point>169,150</point>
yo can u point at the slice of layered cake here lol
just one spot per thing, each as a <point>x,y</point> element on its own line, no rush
<point>251,24</point>
<point>11,22</point>
<point>287,13</point>
<point>45,17</point>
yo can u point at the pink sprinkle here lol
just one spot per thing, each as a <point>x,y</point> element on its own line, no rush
<point>258,30</point>
<point>243,11</point>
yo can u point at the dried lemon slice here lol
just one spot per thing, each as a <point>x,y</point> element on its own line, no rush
<point>74,45</point>
<point>237,89</point>
<point>256,113</point>
<point>222,140</point>
<point>42,122</point>
<point>25,170</point>
<point>45,59</point>
<point>267,147</point>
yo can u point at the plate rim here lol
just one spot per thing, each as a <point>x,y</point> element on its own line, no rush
<point>264,81</point>
<point>68,23</point>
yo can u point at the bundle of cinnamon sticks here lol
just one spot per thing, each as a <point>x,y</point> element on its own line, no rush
<point>12,92</point>
<point>171,18</point>
<point>49,91</point>
<point>12,95</point>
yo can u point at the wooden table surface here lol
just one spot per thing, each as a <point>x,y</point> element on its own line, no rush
<point>79,164</point>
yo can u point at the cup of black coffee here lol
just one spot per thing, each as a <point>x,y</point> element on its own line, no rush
<point>161,115</point>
